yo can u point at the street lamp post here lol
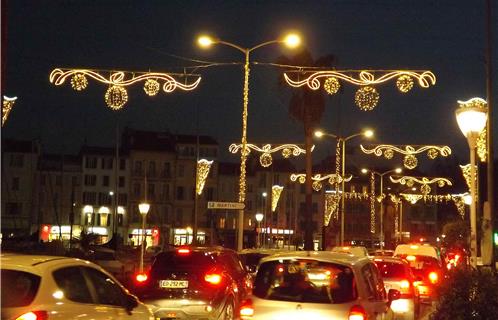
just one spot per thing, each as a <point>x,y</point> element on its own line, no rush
<point>366,133</point>
<point>471,117</point>
<point>381,175</point>
<point>259,218</point>
<point>268,222</point>
<point>144,209</point>
<point>291,40</point>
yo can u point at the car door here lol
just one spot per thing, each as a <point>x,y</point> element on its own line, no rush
<point>111,297</point>
<point>77,301</point>
<point>375,304</point>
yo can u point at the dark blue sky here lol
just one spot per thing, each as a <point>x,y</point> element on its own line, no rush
<point>444,36</point>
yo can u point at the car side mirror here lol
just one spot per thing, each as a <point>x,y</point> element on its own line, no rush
<point>131,303</point>
<point>392,295</point>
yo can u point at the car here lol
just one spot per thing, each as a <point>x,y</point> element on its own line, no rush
<point>427,266</point>
<point>195,283</point>
<point>397,274</point>
<point>36,287</point>
<point>108,259</point>
<point>358,251</point>
<point>318,285</point>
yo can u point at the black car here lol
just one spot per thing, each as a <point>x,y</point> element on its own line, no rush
<point>195,283</point>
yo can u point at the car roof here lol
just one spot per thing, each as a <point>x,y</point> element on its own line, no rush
<point>326,256</point>
<point>417,249</point>
<point>389,259</point>
<point>36,264</point>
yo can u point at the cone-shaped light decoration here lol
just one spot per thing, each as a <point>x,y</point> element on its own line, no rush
<point>203,167</point>
<point>275,195</point>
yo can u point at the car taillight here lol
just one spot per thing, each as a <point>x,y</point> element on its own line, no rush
<point>141,277</point>
<point>433,277</point>
<point>246,309</point>
<point>357,313</point>
<point>33,315</point>
<point>183,251</point>
<point>213,278</point>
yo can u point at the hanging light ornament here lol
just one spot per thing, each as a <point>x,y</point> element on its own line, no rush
<point>276,191</point>
<point>286,153</point>
<point>265,160</point>
<point>366,98</point>
<point>410,161</point>
<point>388,154</point>
<point>151,87</point>
<point>116,97</point>
<point>404,83</point>
<point>425,189</point>
<point>79,82</point>
<point>432,154</point>
<point>332,85</point>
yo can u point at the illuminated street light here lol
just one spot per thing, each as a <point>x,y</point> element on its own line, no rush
<point>381,175</point>
<point>471,117</point>
<point>367,133</point>
<point>291,40</point>
<point>259,218</point>
<point>143,208</point>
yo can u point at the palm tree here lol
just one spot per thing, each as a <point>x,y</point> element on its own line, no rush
<point>307,107</point>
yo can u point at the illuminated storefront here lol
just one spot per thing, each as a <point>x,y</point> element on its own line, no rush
<point>151,237</point>
<point>185,236</point>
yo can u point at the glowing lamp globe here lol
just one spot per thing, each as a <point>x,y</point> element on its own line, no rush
<point>471,118</point>
<point>259,217</point>
<point>292,40</point>
<point>143,208</point>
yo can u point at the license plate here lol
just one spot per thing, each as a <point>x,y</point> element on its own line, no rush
<point>173,284</point>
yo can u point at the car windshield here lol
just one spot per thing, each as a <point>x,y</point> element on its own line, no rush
<point>391,269</point>
<point>18,288</point>
<point>421,265</point>
<point>302,280</point>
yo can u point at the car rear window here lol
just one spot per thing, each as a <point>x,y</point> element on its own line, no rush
<point>391,269</point>
<point>19,288</point>
<point>172,260</point>
<point>304,280</point>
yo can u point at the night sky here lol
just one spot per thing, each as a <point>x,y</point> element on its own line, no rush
<point>444,36</point>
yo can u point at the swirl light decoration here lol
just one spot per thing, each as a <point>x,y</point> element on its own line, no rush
<point>423,181</point>
<point>409,152</point>
<point>276,191</point>
<point>366,97</point>
<point>412,198</point>
<point>203,167</point>
<point>457,199</point>
<point>117,96</point>
<point>265,159</point>
<point>7,105</point>
<point>317,179</point>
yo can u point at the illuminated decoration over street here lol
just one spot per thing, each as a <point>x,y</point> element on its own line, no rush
<point>7,105</point>
<point>409,152</point>
<point>458,200</point>
<point>367,97</point>
<point>317,179</point>
<point>265,159</point>
<point>116,95</point>
<point>372,202</point>
<point>396,200</point>
<point>203,167</point>
<point>276,191</point>
<point>425,189</point>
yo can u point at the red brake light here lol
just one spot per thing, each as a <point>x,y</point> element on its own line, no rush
<point>405,284</point>
<point>357,313</point>
<point>33,315</point>
<point>213,278</point>
<point>433,277</point>
<point>246,309</point>
<point>183,251</point>
<point>140,278</point>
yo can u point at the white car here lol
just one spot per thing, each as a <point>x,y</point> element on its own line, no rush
<point>358,251</point>
<point>318,285</point>
<point>52,287</point>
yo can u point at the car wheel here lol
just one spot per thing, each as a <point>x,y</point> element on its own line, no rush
<point>228,313</point>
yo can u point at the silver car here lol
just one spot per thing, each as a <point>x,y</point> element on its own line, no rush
<point>318,285</point>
